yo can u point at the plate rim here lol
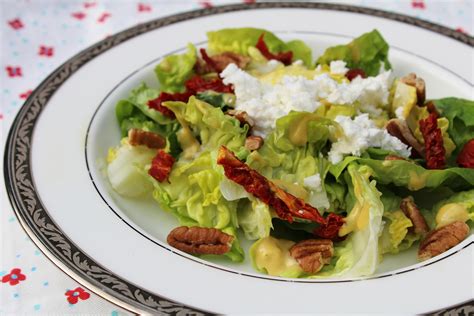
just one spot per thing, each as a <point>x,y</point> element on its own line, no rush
<point>26,201</point>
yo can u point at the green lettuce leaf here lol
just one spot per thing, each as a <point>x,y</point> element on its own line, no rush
<point>459,206</point>
<point>301,51</point>
<point>395,236</point>
<point>125,169</point>
<point>254,218</point>
<point>368,52</point>
<point>460,113</point>
<point>209,124</point>
<point>192,194</point>
<point>239,40</point>
<point>358,254</point>
<point>410,175</point>
<point>173,71</point>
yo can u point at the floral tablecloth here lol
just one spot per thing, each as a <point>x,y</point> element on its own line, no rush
<point>38,36</point>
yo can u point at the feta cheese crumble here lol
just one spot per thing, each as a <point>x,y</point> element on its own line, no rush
<point>361,133</point>
<point>338,67</point>
<point>265,103</point>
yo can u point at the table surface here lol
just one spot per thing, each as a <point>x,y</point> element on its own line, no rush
<point>38,36</point>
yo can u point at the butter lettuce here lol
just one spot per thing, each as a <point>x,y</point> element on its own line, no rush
<point>254,218</point>
<point>460,113</point>
<point>358,254</point>
<point>173,71</point>
<point>209,124</point>
<point>192,194</point>
<point>409,174</point>
<point>239,40</point>
<point>395,236</point>
<point>368,52</point>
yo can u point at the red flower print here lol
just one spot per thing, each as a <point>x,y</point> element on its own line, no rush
<point>14,277</point>
<point>13,71</point>
<point>103,17</point>
<point>25,94</point>
<point>88,5</point>
<point>206,4</point>
<point>249,1</point>
<point>46,51</point>
<point>144,7</point>
<point>78,293</point>
<point>418,4</point>
<point>461,30</point>
<point>78,15</point>
<point>16,24</point>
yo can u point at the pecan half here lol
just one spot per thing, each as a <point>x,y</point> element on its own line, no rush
<point>419,84</point>
<point>442,239</point>
<point>138,137</point>
<point>411,211</point>
<point>400,130</point>
<point>242,117</point>
<point>312,254</point>
<point>253,142</point>
<point>200,240</point>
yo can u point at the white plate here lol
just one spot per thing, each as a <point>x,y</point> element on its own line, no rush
<point>116,247</point>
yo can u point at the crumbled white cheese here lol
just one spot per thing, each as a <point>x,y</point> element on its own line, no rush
<point>265,103</point>
<point>361,133</point>
<point>313,182</point>
<point>338,67</point>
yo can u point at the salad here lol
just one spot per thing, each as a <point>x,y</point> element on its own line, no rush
<point>325,164</point>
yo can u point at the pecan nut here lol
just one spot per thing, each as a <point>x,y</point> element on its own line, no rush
<point>418,83</point>
<point>312,254</point>
<point>220,62</point>
<point>394,157</point>
<point>200,240</point>
<point>242,117</point>
<point>253,142</point>
<point>399,129</point>
<point>442,239</point>
<point>137,137</point>
<point>411,211</point>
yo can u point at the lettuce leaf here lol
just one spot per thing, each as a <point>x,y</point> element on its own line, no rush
<point>192,194</point>
<point>254,218</point>
<point>358,254</point>
<point>173,71</point>
<point>209,124</point>
<point>368,52</point>
<point>410,175</point>
<point>460,113</point>
<point>459,206</point>
<point>239,40</point>
<point>395,236</point>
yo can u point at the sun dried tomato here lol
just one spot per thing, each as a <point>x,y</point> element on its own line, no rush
<point>331,228</point>
<point>208,60</point>
<point>284,57</point>
<point>354,73</point>
<point>161,166</point>
<point>156,103</point>
<point>285,205</point>
<point>435,153</point>
<point>199,84</point>
<point>466,156</point>
<point>432,108</point>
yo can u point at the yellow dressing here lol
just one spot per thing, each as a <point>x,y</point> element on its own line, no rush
<point>293,70</point>
<point>273,255</point>
<point>187,141</point>
<point>298,130</point>
<point>417,181</point>
<point>451,212</point>
<point>358,218</point>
